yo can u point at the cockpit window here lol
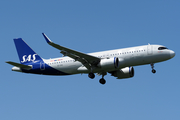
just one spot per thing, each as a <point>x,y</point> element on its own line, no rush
<point>162,48</point>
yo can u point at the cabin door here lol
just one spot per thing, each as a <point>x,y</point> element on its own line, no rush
<point>42,66</point>
<point>149,49</point>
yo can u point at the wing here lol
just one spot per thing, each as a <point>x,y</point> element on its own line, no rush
<point>87,60</point>
<point>19,65</point>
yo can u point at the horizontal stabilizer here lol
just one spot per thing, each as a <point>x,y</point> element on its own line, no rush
<point>19,65</point>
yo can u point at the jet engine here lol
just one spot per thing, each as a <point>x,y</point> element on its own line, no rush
<point>111,63</point>
<point>126,72</point>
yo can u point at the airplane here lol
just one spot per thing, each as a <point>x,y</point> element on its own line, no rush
<point>119,62</point>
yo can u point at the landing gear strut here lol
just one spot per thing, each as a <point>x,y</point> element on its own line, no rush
<point>152,66</point>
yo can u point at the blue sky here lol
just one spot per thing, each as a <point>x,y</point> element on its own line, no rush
<point>90,26</point>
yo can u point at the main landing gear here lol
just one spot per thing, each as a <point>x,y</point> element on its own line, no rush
<point>102,80</point>
<point>152,66</point>
<point>91,75</point>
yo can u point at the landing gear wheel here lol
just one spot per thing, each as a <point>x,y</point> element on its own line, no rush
<point>91,75</point>
<point>152,66</point>
<point>102,81</point>
<point>153,71</point>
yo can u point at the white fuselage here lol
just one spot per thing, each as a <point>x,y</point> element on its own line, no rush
<point>132,56</point>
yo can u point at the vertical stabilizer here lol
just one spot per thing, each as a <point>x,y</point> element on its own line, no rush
<point>25,53</point>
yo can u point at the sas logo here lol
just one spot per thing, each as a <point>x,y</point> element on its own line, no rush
<point>29,58</point>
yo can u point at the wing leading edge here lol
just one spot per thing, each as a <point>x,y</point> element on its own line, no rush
<point>87,60</point>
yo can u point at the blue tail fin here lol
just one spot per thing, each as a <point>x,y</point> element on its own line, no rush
<point>26,54</point>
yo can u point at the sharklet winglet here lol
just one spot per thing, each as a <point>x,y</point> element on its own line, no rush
<point>46,38</point>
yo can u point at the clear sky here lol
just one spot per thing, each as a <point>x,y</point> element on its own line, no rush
<point>90,26</point>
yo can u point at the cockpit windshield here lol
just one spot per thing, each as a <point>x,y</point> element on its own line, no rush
<point>162,48</point>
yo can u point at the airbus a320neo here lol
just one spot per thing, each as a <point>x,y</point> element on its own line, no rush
<point>119,62</point>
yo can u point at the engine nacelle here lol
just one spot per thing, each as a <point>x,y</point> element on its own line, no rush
<point>126,72</point>
<point>111,63</point>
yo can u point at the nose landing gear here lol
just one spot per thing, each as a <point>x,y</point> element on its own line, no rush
<point>153,71</point>
<point>152,66</point>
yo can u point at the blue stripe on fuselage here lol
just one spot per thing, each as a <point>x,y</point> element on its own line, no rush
<point>47,71</point>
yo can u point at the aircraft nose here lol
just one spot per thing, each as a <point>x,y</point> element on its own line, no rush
<point>172,54</point>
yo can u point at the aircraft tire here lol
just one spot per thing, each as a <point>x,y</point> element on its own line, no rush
<point>153,71</point>
<point>91,75</point>
<point>102,81</point>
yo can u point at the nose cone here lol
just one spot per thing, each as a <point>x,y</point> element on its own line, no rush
<point>172,54</point>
